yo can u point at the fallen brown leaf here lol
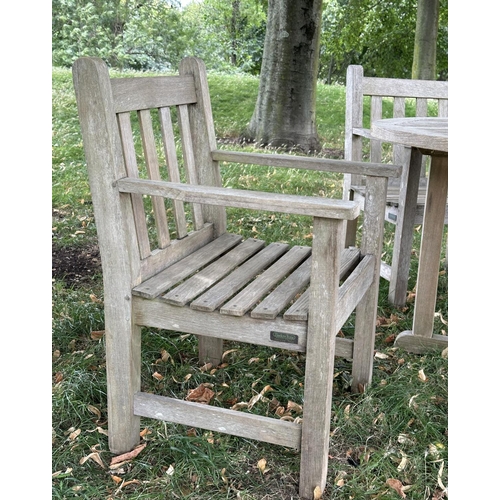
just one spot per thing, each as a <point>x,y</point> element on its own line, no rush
<point>98,335</point>
<point>397,485</point>
<point>202,394</point>
<point>128,456</point>
<point>95,457</point>
<point>317,493</point>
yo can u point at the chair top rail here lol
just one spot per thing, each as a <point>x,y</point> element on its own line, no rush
<point>398,87</point>
<point>309,163</point>
<point>255,200</point>
<point>131,94</point>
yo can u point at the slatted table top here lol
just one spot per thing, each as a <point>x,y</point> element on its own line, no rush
<point>430,134</point>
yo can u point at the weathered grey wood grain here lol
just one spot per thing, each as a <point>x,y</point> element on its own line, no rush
<point>397,87</point>
<point>166,279</point>
<point>401,92</point>
<point>300,308</point>
<point>201,281</point>
<point>225,289</point>
<point>130,94</point>
<point>202,128</point>
<point>255,200</point>
<point>114,219</point>
<point>403,237</point>
<point>160,259</point>
<point>130,160</point>
<point>169,148</point>
<point>433,132</point>
<point>366,310</point>
<point>279,298</point>
<point>354,288</point>
<point>189,161</point>
<point>420,345</point>
<point>159,314</point>
<point>247,298</point>
<point>321,332</point>
<point>153,168</point>
<point>246,425</point>
<point>306,163</point>
<point>430,248</point>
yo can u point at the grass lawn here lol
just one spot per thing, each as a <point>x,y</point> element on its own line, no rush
<point>390,442</point>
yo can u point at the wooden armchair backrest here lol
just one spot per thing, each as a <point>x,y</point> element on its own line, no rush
<point>364,104</point>
<point>134,109</point>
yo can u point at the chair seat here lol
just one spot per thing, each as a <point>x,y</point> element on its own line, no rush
<point>237,277</point>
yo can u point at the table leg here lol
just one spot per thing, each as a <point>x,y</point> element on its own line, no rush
<point>405,226</point>
<point>421,338</point>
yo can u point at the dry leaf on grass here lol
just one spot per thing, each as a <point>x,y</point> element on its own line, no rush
<point>75,434</point>
<point>202,394</point>
<point>128,456</point>
<point>95,457</point>
<point>317,493</point>
<point>397,485</point>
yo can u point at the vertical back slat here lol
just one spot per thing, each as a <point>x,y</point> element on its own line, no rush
<point>152,165</point>
<point>443,107</point>
<point>375,114</point>
<point>189,163</point>
<point>399,110</point>
<point>125,128</point>
<point>173,167</point>
<point>421,107</point>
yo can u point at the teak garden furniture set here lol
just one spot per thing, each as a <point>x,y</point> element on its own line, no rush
<point>168,261</point>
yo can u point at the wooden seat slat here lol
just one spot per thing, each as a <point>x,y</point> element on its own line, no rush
<point>225,289</point>
<point>169,277</point>
<point>201,281</point>
<point>300,309</point>
<point>278,299</point>
<point>253,293</point>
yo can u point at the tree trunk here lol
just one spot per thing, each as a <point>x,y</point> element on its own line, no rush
<point>285,112</point>
<point>424,53</point>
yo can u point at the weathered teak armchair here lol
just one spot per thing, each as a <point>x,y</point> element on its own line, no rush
<point>405,201</point>
<point>199,279</point>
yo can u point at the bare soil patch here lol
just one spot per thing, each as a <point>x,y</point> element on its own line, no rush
<point>75,265</point>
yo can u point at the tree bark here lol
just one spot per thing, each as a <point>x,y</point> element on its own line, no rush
<point>424,54</point>
<point>285,112</point>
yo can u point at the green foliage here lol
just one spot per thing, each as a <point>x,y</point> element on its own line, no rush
<point>377,35</point>
<point>126,34</point>
<point>229,36</point>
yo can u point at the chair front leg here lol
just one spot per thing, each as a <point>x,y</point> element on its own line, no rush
<point>321,332</point>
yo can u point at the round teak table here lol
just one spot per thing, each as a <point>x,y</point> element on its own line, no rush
<point>425,136</point>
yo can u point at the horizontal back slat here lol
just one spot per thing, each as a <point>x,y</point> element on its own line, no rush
<point>395,87</point>
<point>131,94</point>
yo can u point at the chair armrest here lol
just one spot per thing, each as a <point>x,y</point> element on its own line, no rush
<point>255,200</point>
<point>310,163</point>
